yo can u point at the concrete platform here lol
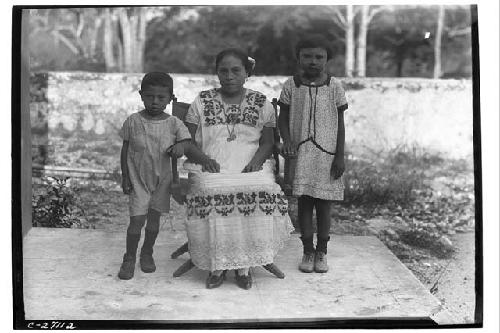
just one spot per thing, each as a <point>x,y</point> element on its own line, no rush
<point>71,274</point>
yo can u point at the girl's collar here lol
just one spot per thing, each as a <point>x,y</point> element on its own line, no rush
<point>298,81</point>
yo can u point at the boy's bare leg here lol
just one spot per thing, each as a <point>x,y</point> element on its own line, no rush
<point>151,232</point>
<point>133,236</point>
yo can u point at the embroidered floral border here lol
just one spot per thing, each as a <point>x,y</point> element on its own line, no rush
<point>240,203</point>
<point>213,110</point>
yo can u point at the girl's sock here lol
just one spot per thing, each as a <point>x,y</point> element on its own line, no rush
<point>149,242</point>
<point>307,243</point>
<point>132,242</point>
<point>322,244</point>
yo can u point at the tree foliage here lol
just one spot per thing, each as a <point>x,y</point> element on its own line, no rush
<point>185,39</point>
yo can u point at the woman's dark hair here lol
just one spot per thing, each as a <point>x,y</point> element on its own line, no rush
<point>312,42</point>
<point>238,53</point>
<point>158,79</point>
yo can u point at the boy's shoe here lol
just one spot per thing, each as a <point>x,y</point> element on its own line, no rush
<point>307,264</point>
<point>127,268</point>
<point>320,263</point>
<point>147,263</point>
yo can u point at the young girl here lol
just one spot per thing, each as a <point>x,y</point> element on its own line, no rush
<point>149,136</point>
<point>311,123</point>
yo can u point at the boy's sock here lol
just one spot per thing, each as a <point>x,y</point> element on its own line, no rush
<point>322,244</point>
<point>149,242</point>
<point>132,243</point>
<point>307,243</point>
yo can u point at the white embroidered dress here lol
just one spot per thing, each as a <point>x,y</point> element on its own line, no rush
<point>235,219</point>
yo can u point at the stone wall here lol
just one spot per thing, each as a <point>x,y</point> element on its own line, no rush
<point>76,116</point>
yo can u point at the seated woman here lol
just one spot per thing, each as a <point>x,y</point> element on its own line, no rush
<point>237,214</point>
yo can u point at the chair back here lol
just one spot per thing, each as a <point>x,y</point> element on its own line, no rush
<point>179,109</point>
<point>276,134</point>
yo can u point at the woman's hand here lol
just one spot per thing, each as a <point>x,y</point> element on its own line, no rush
<point>338,167</point>
<point>177,150</point>
<point>126,185</point>
<point>289,149</point>
<point>252,167</point>
<point>210,165</point>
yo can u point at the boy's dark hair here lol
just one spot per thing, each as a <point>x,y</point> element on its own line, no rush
<point>158,79</point>
<point>238,53</point>
<point>312,42</point>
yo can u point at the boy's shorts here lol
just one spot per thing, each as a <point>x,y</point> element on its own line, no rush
<point>141,200</point>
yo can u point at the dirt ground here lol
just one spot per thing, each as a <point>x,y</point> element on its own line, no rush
<point>452,281</point>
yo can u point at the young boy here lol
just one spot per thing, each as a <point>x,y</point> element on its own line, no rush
<point>149,138</point>
<point>311,123</point>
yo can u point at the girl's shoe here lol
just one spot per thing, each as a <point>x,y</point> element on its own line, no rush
<point>147,263</point>
<point>307,264</point>
<point>215,281</point>
<point>320,263</point>
<point>244,281</point>
<point>127,268</point>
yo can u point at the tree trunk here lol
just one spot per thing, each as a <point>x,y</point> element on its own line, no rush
<point>141,39</point>
<point>94,33</point>
<point>109,57</point>
<point>126,40</point>
<point>361,47</point>
<point>437,43</point>
<point>349,41</point>
<point>133,27</point>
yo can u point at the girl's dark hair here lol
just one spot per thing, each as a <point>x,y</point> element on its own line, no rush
<point>158,79</point>
<point>238,53</point>
<point>312,42</point>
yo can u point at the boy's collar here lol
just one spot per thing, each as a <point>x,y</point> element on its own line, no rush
<point>298,81</point>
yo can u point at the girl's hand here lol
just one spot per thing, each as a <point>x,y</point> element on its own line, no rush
<point>177,150</point>
<point>126,185</point>
<point>289,149</point>
<point>338,167</point>
<point>210,165</point>
<point>252,167</point>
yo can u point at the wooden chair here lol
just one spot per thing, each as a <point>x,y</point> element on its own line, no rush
<point>180,185</point>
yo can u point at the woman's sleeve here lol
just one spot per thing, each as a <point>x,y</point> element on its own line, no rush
<point>339,96</point>
<point>193,115</point>
<point>268,115</point>
<point>286,93</point>
<point>124,132</point>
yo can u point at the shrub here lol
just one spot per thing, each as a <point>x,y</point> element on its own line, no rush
<point>371,184</point>
<point>390,177</point>
<point>58,208</point>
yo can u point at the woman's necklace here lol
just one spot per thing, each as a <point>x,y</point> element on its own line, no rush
<point>233,119</point>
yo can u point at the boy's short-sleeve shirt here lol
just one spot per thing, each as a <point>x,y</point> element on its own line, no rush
<point>148,161</point>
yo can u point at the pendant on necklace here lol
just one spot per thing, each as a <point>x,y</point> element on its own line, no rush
<point>231,137</point>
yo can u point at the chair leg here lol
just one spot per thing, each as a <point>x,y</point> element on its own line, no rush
<point>183,249</point>
<point>275,270</point>
<point>184,268</point>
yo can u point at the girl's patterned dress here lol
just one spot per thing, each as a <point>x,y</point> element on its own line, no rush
<point>234,219</point>
<point>314,124</point>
